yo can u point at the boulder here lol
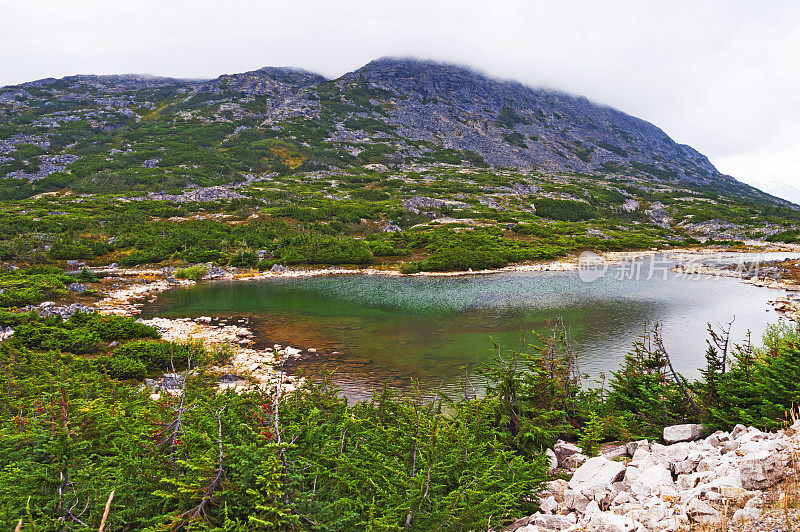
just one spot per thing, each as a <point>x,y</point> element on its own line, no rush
<point>620,451</point>
<point>650,481</point>
<point>575,461</point>
<point>762,469</point>
<point>609,522</point>
<point>554,522</point>
<point>557,488</point>
<point>745,514</point>
<point>564,450</point>
<point>596,472</point>
<point>686,432</point>
<point>575,500</point>
<point>377,167</point>
<point>738,430</point>
<point>548,505</point>
<point>697,507</point>
<point>77,287</point>
<point>530,528</point>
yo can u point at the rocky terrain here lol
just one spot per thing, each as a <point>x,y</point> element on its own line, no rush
<point>690,482</point>
<point>393,111</point>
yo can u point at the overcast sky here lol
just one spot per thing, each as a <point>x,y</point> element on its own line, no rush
<point>721,76</point>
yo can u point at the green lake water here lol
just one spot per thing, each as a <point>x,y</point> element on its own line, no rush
<point>393,329</point>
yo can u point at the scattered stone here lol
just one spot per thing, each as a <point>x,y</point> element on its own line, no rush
<point>681,433</point>
<point>77,287</point>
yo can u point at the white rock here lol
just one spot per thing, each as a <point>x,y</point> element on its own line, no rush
<point>597,471</point>
<point>548,505</point>
<point>564,450</point>
<point>685,432</point>
<point>591,509</point>
<point>575,500</point>
<point>575,461</point>
<point>718,438</point>
<point>609,522</point>
<point>554,522</point>
<point>737,430</point>
<point>557,488</point>
<point>620,451</point>
<point>745,514</point>
<point>650,481</point>
<point>699,507</point>
<point>634,445</point>
<point>621,498</point>
<point>530,528</point>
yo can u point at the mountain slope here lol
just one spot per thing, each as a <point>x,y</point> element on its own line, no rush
<point>513,125</point>
<point>136,132</point>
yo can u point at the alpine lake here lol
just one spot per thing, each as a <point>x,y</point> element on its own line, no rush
<point>425,330</point>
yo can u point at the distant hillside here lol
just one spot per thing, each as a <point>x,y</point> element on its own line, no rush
<point>138,132</point>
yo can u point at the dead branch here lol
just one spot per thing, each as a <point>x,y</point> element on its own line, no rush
<point>200,509</point>
<point>105,512</point>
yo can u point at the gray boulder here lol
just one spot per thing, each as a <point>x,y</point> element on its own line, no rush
<point>77,287</point>
<point>762,469</point>
<point>564,450</point>
<point>686,432</point>
<point>554,522</point>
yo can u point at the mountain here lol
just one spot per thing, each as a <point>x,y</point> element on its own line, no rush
<point>512,125</point>
<point>413,165</point>
<point>142,132</point>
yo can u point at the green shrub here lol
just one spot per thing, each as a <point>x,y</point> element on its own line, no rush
<point>244,259</point>
<point>195,273</point>
<point>565,210</point>
<point>123,367</point>
<point>155,354</point>
<point>112,327</point>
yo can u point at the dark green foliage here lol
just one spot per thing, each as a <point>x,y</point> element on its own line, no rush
<point>244,258</point>
<point>515,139</point>
<point>509,118</point>
<point>644,394</point>
<point>760,387</point>
<point>322,249</point>
<point>379,464</point>
<point>112,327</point>
<point>76,248</point>
<point>154,354</point>
<point>24,287</point>
<point>565,210</point>
<point>56,337</point>
<point>478,249</point>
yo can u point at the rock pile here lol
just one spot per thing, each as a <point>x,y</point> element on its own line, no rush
<point>645,485</point>
<point>247,368</point>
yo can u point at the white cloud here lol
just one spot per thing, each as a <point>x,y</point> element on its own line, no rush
<point>720,76</point>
